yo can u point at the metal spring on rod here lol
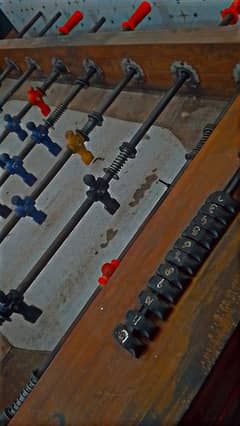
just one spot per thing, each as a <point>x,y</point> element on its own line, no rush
<point>207,131</point>
<point>54,117</point>
<point>61,108</point>
<point>11,410</point>
<point>126,152</point>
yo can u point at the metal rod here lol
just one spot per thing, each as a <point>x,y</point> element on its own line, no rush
<point>53,117</point>
<point>234,183</point>
<point>14,219</point>
<point>18,84</point>
<point>61,108</point>
<point>98,25</point>
<point>87,203</point>
<point>46,84</point>
<point>27,27</point>
<point>9,68</point>
<point>50,24</point>
<point>226,20</point>
<point>53,248</point>
<point>92,123</point>
<point>159,108</point>
<point>121,159</point>
<point>50,175</point>
<point>116,91</point>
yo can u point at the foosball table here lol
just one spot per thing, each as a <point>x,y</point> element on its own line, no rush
<point>158,321</point>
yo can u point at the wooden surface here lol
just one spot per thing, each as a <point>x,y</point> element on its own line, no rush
<point>15,370</point>
<point>4,347</point>
<point>218,400</point>
<point>92,381</point>
<point>213,52</point>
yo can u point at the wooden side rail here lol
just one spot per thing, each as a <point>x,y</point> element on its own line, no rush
<point>212,52</point>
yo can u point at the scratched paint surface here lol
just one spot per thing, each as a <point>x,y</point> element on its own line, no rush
<point>165,13</point>
<point>64,287</point>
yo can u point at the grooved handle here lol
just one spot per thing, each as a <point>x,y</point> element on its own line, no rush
<point>74,19</point>
<point>143,10</point>
<point>230,14</point>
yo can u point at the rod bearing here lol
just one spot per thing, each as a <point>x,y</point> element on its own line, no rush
<point>31,63</point>
<point>59,65</point>
<point>89,63</point>
<point>128,64</point>
<point>193,80</point>
<point>10,63</point>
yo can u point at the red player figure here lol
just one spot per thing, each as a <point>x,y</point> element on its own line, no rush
<point>107,270</point>
<point>35,97</point>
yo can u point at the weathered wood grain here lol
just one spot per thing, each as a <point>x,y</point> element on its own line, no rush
<point>218,400</point>
<point>213,52</point>
<point>92,380</point>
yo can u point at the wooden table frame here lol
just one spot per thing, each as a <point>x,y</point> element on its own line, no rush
<point>212,52</point>
<point>92,381</point>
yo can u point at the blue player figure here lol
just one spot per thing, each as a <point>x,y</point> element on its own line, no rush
<point>14,166</point>
<point>26,207</point>
<point>13,125</point>
<point>40,135</point>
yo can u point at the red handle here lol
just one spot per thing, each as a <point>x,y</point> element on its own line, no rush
<point>107,270</point>
<point>35,97</point>
<point>233,10</point>
<point>143,10</point>
<point>74,19</point>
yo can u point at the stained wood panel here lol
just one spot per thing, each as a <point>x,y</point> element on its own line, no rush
<point>224,384</point>
<point>92,380</point>
<point>213,52</point>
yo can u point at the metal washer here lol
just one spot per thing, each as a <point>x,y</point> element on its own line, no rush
<point>127,64</point>
<point>193,81</point>
<point>88,63</point>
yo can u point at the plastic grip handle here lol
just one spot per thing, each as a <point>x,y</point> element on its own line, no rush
<point>233,10</point>
<point>143,10</point>
<point>236,4</point>
<point>74,19</point>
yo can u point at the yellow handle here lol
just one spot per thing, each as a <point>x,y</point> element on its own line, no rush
<point>75,142</point>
